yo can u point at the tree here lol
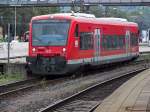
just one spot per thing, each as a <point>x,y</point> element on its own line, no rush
<point>97,11</point>
<point>24,15</point>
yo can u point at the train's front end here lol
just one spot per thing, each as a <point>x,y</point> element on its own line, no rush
<point>47,45</point>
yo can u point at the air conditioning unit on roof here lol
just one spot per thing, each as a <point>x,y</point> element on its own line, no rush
<point>113,19</point>
<point>78,15</point>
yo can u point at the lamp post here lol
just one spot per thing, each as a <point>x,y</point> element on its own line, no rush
<point>115,12</point>
<point>8,44</point>
<point>106,11</point>
<point>81,5</point>
<point>15,21</point>
<point>73,5</point>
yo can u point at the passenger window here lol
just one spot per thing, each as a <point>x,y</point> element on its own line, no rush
<point>122,42</point>
<point>86,40</point>
<point>117,42</point>
<point>109,42</point>
<point>104,42</point>
<point>113,42</point>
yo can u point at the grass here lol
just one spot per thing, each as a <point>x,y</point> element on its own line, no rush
<point>145,57</point>
<point>9,78</point>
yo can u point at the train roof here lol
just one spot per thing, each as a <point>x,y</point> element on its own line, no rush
<point>84,15</point>
<point>113,19</point>
<point>87,18</point>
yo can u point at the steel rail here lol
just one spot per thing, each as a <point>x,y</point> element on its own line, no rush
<point>20,85</point>
<point>28,87</point>
<point>62,102</point>
<point>17,86</point>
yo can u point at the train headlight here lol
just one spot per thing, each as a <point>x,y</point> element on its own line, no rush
<point>33,49</point>
<point>64,49</point>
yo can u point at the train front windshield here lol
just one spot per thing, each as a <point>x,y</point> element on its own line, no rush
<point>50,32</point>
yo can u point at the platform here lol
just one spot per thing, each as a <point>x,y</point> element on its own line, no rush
<point>132,96</point>
<point>144,49</point>
<point>17,49</point>
<point>20,49</point>
<point>14,60</point>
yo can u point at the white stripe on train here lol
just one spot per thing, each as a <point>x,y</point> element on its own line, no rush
<point>101,58</point>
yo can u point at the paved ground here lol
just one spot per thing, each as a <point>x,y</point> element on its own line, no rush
<point>132,96</point>
<point>144,49</point>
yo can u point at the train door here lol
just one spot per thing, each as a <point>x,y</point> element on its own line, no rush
<point>97,36</point>
<point>127,41</point>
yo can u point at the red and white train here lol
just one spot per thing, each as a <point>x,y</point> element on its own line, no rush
<point>62,43</point>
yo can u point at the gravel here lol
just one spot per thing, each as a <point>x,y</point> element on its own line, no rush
<point>33,101</point>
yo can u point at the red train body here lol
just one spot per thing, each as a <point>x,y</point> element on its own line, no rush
<point>61,43</point>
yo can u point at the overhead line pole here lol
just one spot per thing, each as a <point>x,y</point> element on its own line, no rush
<point>8,44</point>
<point>15,22</point>
<point>81,5</point>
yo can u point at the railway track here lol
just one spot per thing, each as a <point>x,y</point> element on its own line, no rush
<point>86,100</point>
<point>8,94</point>
<point>10,88</point>
<point>27,85</point>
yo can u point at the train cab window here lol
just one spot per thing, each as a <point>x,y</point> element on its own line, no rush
<point>76,33</point>
<point>86,40</point>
